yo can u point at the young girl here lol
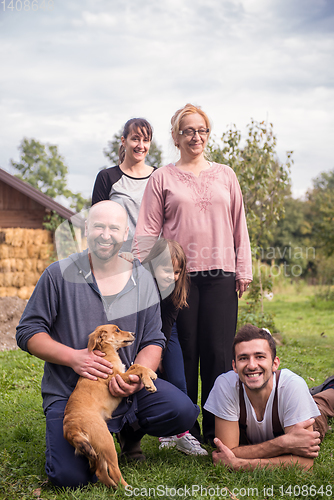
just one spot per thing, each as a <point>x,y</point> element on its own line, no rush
<point>167,264</point>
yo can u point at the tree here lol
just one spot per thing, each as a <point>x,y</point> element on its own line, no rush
<point>321,199</point>
<point>43,167</point>
<point>265,183</point>
<point>264,180</point>
<point>111,151</point>
<point>153,158</point>
<point>293,245</point>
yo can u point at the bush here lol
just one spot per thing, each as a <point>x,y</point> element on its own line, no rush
<point>253,312</point>
<point>257,318</point>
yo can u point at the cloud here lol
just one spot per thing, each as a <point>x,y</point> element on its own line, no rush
<point>75,75</point>
<point>100,20</point>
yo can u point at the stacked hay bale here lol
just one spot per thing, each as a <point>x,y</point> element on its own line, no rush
<point>24,254</point>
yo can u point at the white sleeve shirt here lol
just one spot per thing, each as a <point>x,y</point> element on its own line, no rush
<point>295,404</point>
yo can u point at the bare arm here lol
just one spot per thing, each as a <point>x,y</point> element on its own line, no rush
<point>226,456</point>
<point>299,439</point>
<point>150,357</point>
<point>87,364</point>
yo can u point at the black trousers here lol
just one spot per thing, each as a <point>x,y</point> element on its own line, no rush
<point>206,330</point>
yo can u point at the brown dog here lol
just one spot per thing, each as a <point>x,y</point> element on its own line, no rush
<point>91,405</point>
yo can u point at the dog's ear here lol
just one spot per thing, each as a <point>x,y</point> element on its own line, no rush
<point>92,339</point>
<point>96,338</point>
<point>99,336</point>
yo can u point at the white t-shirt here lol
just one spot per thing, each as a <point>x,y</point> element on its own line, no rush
<point>295,404</point>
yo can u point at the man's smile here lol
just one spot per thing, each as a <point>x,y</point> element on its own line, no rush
<point>104,244</point>
<point>253,375</point>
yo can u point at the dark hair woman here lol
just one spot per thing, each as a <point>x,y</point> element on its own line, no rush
<point>125,183</point>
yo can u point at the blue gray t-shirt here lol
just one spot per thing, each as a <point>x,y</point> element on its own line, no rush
<point>67,305</point>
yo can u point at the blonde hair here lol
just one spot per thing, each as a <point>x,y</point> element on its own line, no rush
<point>188,109</point>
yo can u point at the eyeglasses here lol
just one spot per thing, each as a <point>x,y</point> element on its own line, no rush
<point>190,132</point>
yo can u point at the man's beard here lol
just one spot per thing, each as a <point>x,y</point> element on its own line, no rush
<point>102,254</point>
<point>265,383</point>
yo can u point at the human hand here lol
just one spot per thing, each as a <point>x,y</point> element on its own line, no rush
<point>127,256</point>
<point>119,388</point>
<point>241,286</point>
<point>301,440</point>
<point>223,454</point>
<point>90,364</point>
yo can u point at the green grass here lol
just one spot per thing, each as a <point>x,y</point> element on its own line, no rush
<point>306,329</point>
<point>170,474</point>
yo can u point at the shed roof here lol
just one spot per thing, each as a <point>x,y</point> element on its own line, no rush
<point>41,198</point>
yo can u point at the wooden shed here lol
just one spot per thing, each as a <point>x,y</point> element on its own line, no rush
<point>26,248</point>
<point>22,205</point>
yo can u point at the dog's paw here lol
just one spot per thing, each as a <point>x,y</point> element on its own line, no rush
<point>150,388</point>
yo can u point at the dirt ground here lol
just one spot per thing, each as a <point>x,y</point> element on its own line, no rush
<point>11,309</point>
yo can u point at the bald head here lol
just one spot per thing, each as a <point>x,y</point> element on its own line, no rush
<point>106,229</point>
<point>110,209</point>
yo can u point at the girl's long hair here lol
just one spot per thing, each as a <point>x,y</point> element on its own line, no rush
<point>175,254</point>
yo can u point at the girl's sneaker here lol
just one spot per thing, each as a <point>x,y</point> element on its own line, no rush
<point>167,442</point>
<point>188,444</point>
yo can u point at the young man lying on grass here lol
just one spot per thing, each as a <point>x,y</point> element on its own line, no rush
<point>265,416</point>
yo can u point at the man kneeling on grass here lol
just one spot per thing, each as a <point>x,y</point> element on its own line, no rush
<point>265,416</point>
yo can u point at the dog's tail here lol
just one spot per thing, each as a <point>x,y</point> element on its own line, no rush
<point>107,469</point>
<point>97,444</point>
<point>80,440</point>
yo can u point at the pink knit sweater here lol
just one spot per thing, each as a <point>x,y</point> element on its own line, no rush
<point>205,214</point>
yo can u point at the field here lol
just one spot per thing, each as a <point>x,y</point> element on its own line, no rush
<point>306,346</point>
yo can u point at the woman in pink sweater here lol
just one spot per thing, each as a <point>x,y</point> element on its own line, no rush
<point>199,204</point>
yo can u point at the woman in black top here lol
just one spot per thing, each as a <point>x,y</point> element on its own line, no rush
<point>125,183</point>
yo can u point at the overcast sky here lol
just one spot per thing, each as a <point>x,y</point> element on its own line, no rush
<point>73,75</point>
